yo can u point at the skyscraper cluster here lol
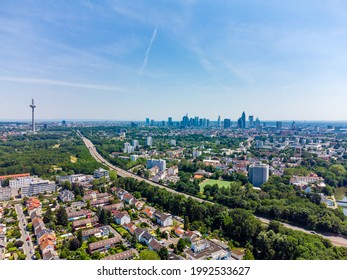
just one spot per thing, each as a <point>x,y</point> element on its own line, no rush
<point>194,122</point>
<point>204,122</point>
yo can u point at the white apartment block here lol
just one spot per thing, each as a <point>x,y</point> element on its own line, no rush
<point>30,186</point>
<point>38,186</point>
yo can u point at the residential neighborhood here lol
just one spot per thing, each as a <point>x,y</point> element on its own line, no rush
<point>112,225</point>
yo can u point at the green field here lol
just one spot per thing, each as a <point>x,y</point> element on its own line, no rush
<point>212,182</point>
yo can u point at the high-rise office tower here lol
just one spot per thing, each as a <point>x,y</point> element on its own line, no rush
<point>169,121</point>
<point>201,122</point>
<point>227,123</point>
<point>147,121</point>
<point>185,120</point>
<point>279,125</point>
<point>243,119</point>
<point>196,121</point>
<point>239,123</point>
<point>251,121</point>
<point>219,122</point>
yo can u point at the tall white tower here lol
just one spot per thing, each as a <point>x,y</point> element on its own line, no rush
<point>33,106</point>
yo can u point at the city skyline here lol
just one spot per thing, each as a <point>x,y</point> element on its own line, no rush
<point>113,60</point>
<point>245,119</point>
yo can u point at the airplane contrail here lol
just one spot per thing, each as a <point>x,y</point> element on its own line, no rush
<point>148,51</point>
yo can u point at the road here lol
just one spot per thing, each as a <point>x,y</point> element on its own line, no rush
<point>335,240</point>
<point>24,234</point>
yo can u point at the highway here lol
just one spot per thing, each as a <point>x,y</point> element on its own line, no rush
<point>28,245</point>
<point>335,240</point>
<point>127,174</point>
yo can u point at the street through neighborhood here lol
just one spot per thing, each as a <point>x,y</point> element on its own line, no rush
<point>28,247</point>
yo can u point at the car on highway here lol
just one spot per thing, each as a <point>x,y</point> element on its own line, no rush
<point>28,243</point>
<point>28,238</point>
<point>31,251</point>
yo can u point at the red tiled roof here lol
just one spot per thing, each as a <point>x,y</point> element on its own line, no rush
<point>14,176</point>
<point>33,203</point>
<point>46,237</point>
<point>46,243</point>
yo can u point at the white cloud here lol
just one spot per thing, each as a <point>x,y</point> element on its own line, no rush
<point>59,83</point>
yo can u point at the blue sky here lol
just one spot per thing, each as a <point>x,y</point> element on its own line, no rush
<point>128,60</point>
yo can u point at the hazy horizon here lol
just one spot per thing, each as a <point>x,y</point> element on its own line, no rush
<point>174,120</point>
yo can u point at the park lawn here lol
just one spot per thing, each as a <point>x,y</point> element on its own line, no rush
<point>212,182</point>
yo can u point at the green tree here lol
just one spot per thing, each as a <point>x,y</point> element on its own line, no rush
<point>66,185</point>
<point>149,255</point>
<point>186,223</point>
<point>96,256</point>
<point>48,215</point>
<point>276,226</point>
<point>133,240</point>
<point>21,256</point>
<point>137,195</point>
<point>113,175</point>
<point>102,217</point>
<point>163,253</point>
<point>6,182</point>
<point>61,216</point>
<point>18,243</point>
<point>181,245</point>
<point>37,255</point>
<point>338,169</point>
<point>329,191</point>
<point>79,236</point>
<point>248,255</point>
<point>74,244</point>
<point>92,239</point>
